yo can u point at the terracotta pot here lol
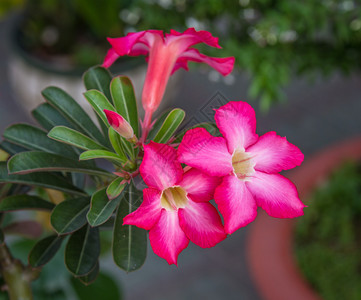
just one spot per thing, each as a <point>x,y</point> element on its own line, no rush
<point>270,240</point>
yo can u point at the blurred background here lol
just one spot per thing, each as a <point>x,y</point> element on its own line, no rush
<point>297,63</point>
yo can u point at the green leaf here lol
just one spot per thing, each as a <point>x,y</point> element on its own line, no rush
<point>69,215</point>
<point>73,112</point>
<point>158,124</point>
<point>91,277</point>
<point>74,138</point>
<point>34,138</point>
<point>104,288</point>
<point>210,127</point>
<point>94,154</point>
<point>129,242</point>
<point>36,161</point>
<point>101,208</point>
<point>20,202</point>
<point>169,126</point>
<point>46,180</point>
<point>127,147</point>
<point>82,251</point>
<point>44,250</point>
<point>48,117</point>
<point>11,148</point>
<point>98,78</point>
<point>115,188</point>
<point>114,138</point>
<point>122,92</point>
<point>99,102</point>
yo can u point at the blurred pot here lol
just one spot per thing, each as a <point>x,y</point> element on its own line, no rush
<point>270,240</point>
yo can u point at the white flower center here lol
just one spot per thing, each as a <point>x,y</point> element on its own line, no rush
<point>173,198</point>
<point>242,164</point>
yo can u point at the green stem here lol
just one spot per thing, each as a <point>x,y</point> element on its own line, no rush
<point>16,276</point>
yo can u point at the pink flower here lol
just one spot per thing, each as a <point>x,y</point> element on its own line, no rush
<point>120,125</point>
<point>165,56</point>
<point>175,207</point>
<point>248,164</point>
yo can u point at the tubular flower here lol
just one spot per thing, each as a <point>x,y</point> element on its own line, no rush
<point>248,165</point>
<point>166,54</point>
<point>175,206</point>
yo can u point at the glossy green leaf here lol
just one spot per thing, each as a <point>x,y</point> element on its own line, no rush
<point>91,277</point>
<point>104,288</point>
<point>123,96</point>
<point>74,138</point>
<point>115,188</point>
<point>101,208</point>
<point>129,242</point>
<point>44,250</point>
<point>98,78</point>
<point>73,112</point>
<point>169,126</point>
<point>99,102</point>
<point>158,124</point>
<point>48,117</point>
<point>34,138</point>
<point>94,154</point>
<point>116,142</point>
<point>21,202</point>
<point>35,161</point>
<point>82,251</point>
<point>127,147</point>
<point>69,215</point>
<point>210,127</point>
<point>46,180</point>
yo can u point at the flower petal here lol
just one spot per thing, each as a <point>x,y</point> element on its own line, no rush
<point>110,58</point>
<point>148,212</point>
<point>201,150</point>
<point>167,238</point>
<point>273,153</point>
<point>235,203</point>
<point>199,186</point>
<point>237,122</point>
<point>191,37</point>
<point>222,65</point>
<point>202,224</point>
<point>160,168</point>
<point>276,195</point>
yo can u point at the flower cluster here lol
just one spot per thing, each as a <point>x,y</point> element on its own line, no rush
<point>239,169</point>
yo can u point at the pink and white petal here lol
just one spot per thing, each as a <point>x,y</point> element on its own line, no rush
<point>190,37</point>
<point>276,194</point>
<point>110,58</point>
<point>272,153</point>
<point>160,168</point>
<point>237,122</point>
<point>180,65</point>
<point>222,65</point>
<point>201,150</point>
<point>148,212</point>
<point>167,238</point>
<point>235,203</point>
<point>124,45</point>
<point>199,186</point>
<point>202,224</point>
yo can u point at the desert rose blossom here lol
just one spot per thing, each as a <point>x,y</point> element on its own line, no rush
<point>165,55</point>
<point>248,164</point>
<point>175,206</point>
<point>120,125</point>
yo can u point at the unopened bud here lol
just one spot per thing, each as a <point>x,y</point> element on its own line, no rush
<point>120,125</point>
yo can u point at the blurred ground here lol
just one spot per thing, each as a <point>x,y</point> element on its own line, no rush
<point>313,117</point>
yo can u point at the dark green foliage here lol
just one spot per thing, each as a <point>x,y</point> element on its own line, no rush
<point>328,236</point>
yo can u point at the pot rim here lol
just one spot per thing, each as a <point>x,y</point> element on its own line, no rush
<point>270,240</point>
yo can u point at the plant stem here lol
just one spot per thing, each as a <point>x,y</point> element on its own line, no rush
<point>146,125</point>
<point>16,276</point>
